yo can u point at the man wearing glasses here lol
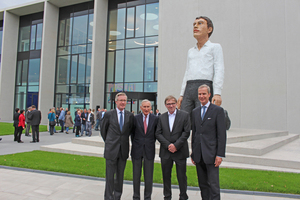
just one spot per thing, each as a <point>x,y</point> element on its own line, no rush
<point>173,130</point>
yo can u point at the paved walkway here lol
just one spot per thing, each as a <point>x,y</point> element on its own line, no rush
<point>29,184</point>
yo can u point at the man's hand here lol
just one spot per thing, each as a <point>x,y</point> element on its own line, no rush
<point>172,148</point>
<point>218,161</point>
<point>193,161</point>
<point>179,101</point>
<point>217,100</point>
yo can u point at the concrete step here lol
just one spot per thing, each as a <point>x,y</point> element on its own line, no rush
<point>260,147</point>
<point>244,135</point>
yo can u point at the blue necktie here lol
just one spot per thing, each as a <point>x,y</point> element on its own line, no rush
<point>204,109</point>
<point>121,120</point>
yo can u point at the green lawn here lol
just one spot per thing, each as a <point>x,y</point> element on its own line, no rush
<point>237,179</point>
<point>8,129</point>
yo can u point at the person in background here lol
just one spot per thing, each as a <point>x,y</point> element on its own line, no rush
<point>62,119</point>
<point>98,117</point>
<point>28,121</point>
<point>74,127</point>
<point>51,117</point>
<point>78,122</point>
<point>57,113</point>
<point>16,123</point>
<point>90,120</point>
<point>35,116</point>
<point>21,126</point>
<point>157,112</point>
<point>83,121</point>
<point>68,121</point>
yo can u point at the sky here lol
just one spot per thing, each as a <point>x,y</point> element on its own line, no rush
<point>9,3</point>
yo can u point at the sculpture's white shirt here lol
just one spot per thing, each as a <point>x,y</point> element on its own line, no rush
<point>206,63</point>
<point>172,119</point>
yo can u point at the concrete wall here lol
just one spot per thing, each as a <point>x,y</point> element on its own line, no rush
<point>48,59</point>
<point>259,40</point>
<point>8,65</point>
<point>99,54</point>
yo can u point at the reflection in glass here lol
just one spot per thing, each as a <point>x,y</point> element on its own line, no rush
<point>139,22</point>
<point>130,22</point>
<point>32,40</point>
<point>24,38</point>
<point>61,34</point>
<point>113,45</point>
<point>64,51</point>
<point>24,72</point>
<point>149,64</point>
<point>134,65</point>
<point>20,89</point>
<point>81,68</point>
<point>1,33</point>
<point>156,63</point>
<point>88,68</point>
<point>19,73</point>
<point>33,88</point>
<point>119,66</point>
<point>20,100</point>
<point>62,89</point>
<point>133,87</point>
<point>74,69</point>
<point>68,31</point>
<point>80,30</point>
<point>117,24</point>
<point>151,41</point>
<point>114,87</point>
<point>91,24</point>
<point>34,71</point>
<point>135,43</point>
<point>152,19</point>
<point>150,87</point>
<point>110,66</point>
<point>62,71</point>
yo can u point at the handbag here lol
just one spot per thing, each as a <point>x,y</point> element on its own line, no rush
<point>227,120</point>
<point>52,123</point>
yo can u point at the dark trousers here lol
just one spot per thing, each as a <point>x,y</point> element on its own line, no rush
<point>16,133</point>
<point>51,130</point>
<point>167,165</point>
<point>62,124</point>
<point>20,129</point>
<point>78,128</point>
<point>35,133</point>
<point>27,128</point>
<point>97,124</point>
<point>190,98</point>
<point>114,178</point>
<point>148,176</point>
<point>208,180</point>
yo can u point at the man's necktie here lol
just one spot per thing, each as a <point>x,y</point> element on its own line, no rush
<point>121,120</point>
<point>203,113</point>
<point>145,124</point>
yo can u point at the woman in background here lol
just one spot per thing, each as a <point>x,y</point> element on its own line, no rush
<point>21,126</point>
<point>52,122</point>
<point>68,121</point>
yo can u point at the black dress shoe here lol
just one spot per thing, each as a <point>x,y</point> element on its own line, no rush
<point>38,141</point>
<point>20,141</point>
<point>32,141</point>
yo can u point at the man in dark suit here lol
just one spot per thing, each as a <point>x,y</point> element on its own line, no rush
<point>28,121</point>
<point>143,149</point>
<point>116,128</point>
<point>90,121</point>
<point>173,130</point>
<point>35,117</point>
<point>16,123</point>
<point>208,143</point>
<point>83,122</point>
<point>157,112</point>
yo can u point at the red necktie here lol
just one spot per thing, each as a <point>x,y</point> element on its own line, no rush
<point>145,124</point>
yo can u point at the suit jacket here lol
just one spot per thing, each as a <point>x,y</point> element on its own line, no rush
<point>35,117</point>
<point>26,117</point>
<point>114,138</point>
<point>142,141</point>
<point>92,118</point>
<point>83,117</point>
<point>209,134</point>
<point>100,113</point>
<point>16,119</point>
<point>179,135</point>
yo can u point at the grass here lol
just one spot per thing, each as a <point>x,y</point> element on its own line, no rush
<point>9,129</point>
<point>237,179</point>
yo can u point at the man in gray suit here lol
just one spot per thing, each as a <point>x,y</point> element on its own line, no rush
<point>28,121</point>
<point>208,143</point>
<point>143,149</point>
<point>35,116</point>
<point>173,130</point>
<point>115,130</point>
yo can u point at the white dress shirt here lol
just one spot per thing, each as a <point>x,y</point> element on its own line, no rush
<point>206,63</point>
<point>118,114</point>
<point>172,119</point>
<point>207,105</point>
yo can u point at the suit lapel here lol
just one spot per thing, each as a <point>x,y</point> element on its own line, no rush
<point>208,113</point>
<point>140,121</point>
<point>177,116</point>
<point>115,115</point>
<point>150,122</point>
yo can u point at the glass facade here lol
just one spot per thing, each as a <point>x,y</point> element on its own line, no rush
<point>28,61</point>
<point>132,47</point>
<point>74,52</point>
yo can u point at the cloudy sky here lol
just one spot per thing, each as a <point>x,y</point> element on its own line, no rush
<point>8,3</point>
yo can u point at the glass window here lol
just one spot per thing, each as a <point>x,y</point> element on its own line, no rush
<point>62,89</point>
<point>61,34</point>
<point>80,30</point>
<point>39,34</point>
<point>149,64</point>
<point>24,38</point>
<point>134,60</point>
<point>34,71</point>
<point>117,24</point>
<point>91,25</point>
<point>119,66</point>
<point>81,68</point>
<point>24,72</point>
<point>68,29</point>
<point>139,21</point>
<point>20,101</point>
<point>150,87</point>
<point>130,22</point>
<point>110,66</point>
<point>151,19</point>
<point>1,33</point>
<point>62,71</point>
<point>19,73</point>
<point>32,40</point>
<point>135,43</point>
<point>133,87</point>
<point>74,69</point>
<point>88,68</point>
<point>156,63</point>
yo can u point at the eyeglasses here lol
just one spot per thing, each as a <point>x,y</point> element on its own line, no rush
<point>170,104</point>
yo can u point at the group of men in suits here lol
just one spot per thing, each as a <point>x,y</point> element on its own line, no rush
<point>171,129</point>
